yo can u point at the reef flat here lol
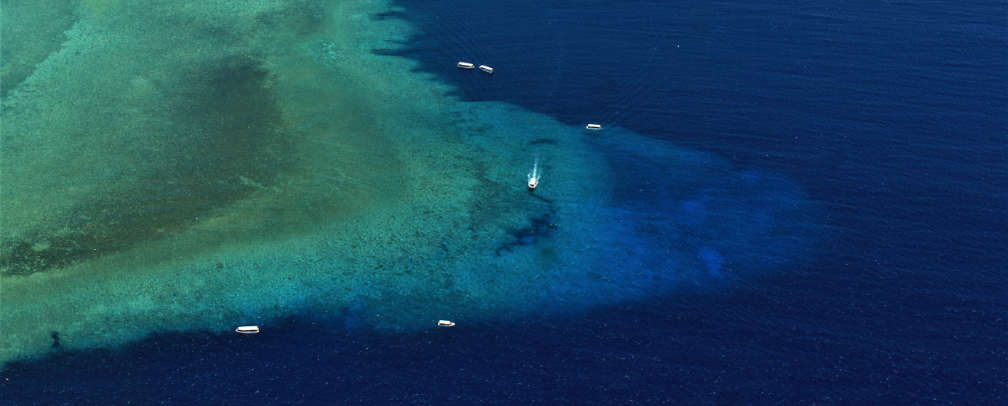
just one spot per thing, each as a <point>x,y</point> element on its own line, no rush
<point>199,165</point>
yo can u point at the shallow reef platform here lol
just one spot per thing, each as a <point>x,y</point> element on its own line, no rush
<point>177,168</point>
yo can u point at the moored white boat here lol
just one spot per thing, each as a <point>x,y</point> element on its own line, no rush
<point>486,69</point>
<point>445,323</point>
<point>595,127</point>
<point>465,65</point>
<point>247,329</point>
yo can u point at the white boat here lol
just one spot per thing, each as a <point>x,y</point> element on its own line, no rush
<point>247,329</point>
<point>445,323</point>
<point>465,65</point>
<point>534,176</point>
<point>486,69</point>
<point>595,127</point>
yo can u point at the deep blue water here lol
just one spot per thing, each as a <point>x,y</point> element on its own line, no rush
<point>892,115</point>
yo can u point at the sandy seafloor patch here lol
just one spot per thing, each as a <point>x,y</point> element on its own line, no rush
<point>200,165</point>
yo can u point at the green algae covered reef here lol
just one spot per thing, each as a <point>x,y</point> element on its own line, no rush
<point>193,165</point>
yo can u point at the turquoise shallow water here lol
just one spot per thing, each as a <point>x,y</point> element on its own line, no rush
<point>176,166</point>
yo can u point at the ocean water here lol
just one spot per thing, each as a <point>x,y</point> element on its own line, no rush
<point>789,203</point>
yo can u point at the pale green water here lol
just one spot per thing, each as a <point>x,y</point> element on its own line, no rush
<point>199,165</point>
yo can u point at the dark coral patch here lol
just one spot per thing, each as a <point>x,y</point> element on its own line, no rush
<point>539,228</point>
